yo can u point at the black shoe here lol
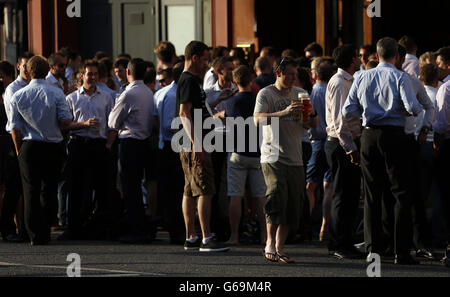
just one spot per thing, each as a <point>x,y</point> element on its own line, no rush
<point>69,235</point>
<point>424,253</point>
<point>405,259</point>
<point>192,245</point>
<point>347,254</point>
<point>213,246</point>
<point>14,238</point>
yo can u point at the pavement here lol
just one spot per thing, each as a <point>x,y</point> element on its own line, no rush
<point>161,259</point>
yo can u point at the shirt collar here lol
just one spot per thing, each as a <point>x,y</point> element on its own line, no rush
<point>37,81</point>
<point>82,90</point>
<point>217,88</point>
<point>447,78</point>
<point>135,83</point>
<point>345,74</point>
<point>21,80</point>
<point>52,77</point>
<point>386,64</point>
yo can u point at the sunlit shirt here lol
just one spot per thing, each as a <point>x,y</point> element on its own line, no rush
<point>318,101</point>
<point>411,65</point>
<point>52,80</point>
<point>442,123</point>
<point>383,96</point>
<point>13,87</point>
<point>165,104</point>
<point>132,115</point>
<point>84,107</point>
<point>344,129</point>
<point>37,110</point>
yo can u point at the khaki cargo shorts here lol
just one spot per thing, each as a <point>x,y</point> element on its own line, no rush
<point>198,175</point>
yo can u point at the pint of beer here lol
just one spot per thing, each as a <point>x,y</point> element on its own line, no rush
<point>306,102</point>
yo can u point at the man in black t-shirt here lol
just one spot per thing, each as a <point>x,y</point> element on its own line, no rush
<point>197,164</point>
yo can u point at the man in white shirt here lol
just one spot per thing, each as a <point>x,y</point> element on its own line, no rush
<point>411,64</point>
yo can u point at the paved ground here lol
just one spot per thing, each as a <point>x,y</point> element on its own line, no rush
<point>160,259</point>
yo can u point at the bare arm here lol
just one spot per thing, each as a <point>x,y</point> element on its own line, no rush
<point>17,139</point>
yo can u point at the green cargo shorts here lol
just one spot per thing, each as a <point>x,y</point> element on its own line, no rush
<point>285,193</point>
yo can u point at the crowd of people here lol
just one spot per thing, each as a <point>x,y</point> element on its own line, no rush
<point>90,147</point>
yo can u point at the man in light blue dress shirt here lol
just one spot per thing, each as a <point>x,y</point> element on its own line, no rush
<point>171,177</point>
<point>88,154</point>
<point>132,118</point>
<point>39,112</point>
<point>384,97</point>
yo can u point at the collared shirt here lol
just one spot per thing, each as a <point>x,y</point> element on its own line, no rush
<point>442,123</point>
<point>102,86</point>
<point>133,113</point>
<point>427,104</point>
<point>52,80</point>
<point>383,96</point>
<point>69,73</point>
<point>318,101</point>
<point>83,107</point>
<point>37,110</point>
<point>214,92</point>
<point>447,78</point>
<point>431,92</point>
<point>13,87</point>
<point>345,129</point>
<point>210,79</point>
<point>411,65</point>
<point>165,104</point>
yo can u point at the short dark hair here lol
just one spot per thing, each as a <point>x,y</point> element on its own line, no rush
<point>304,78</point>
<point>289,53</point>
<point>121,62</point>
<point>53,57</point>
<point>38,67</point>
<point>324,69</point>
<point>242,76</point>
<point>429,74</point>
<point>314,47</point>
<point>218,52</point>
<point>263,63</point>
<point>371,64</point>
<point>137,68</point>
<point>387,48</point>
<point>105,67</point>
<point>220,62</point>
<point>444,52</point>
<point>401,51</point>
<point>408,43</point>
<point>24,55</point>
<point>370,48</point>
<point>195,48</point>
<point>100,54</point>
<point>8,69</point>
<point>343,55</point>
<point>149,76</point>
<point>240,53</point>
<point>124,56</point>
<point>165,51</point>
<point>284,63</point>
<point>89,63</point>
<point>177,71</point>
<point>271,51</point>
<point>168,72</point>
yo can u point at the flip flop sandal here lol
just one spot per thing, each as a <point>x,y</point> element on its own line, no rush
<point>285,259</point>
<point>271,257</point>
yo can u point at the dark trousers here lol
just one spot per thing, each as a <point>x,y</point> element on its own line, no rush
<point>386,166</point>
<point>442,163</point>
<point>40,166</point>
<point>88,161</point>
<point>346,184</point>
<point>13,191</point>
<point>419,222</point>
<point>133,156</point>
<point>171,181</point>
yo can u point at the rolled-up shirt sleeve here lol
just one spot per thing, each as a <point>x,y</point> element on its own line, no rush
<point>119,113</point>
<point>16,118</point>
<point>408,96</point>
<point>352,108</point>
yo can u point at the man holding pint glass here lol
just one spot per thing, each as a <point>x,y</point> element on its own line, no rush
<point>279,110</point>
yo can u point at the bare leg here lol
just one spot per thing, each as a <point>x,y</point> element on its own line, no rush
<point>282,234</point>
<point>189,207</point>
<point>310,192</point>
<point>235,212</point>
<point>204,214</point>
<point>261,218</point>
<point>326,206</point>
